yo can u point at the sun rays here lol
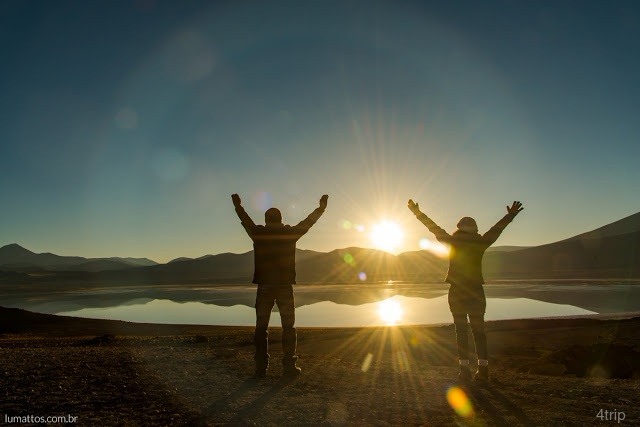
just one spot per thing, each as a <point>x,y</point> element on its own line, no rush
<point>400,358</point>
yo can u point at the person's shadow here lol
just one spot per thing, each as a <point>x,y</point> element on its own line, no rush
<point>249,410</point>
<point>483,397</point>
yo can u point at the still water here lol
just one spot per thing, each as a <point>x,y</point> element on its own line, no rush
<point>396,310</point>
<point>340,305</point>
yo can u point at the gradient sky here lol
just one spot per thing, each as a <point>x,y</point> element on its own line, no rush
<point>125,126</point>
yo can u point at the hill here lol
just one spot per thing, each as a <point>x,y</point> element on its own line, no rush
<point>348,265</point>
<point>616,256</point>
<point>14,257</point>
<point>611,251</point>
<point>630,224</point>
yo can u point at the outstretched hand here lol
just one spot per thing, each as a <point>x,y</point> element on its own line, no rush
<point>414,207</point>
<point>323,201</point>
<point>236,200</point>
<point>515,208</point>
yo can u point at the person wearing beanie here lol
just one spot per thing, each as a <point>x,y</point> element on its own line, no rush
<point>274,252</point>
<point>466,293</point>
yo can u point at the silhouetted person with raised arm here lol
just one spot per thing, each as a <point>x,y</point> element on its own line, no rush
<point>466,294</point>
<point>274,248</point>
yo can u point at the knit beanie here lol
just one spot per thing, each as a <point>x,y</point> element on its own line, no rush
<point>468,225</point>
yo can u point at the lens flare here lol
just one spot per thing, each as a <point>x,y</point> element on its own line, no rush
<point>127,118</point>
<point>262,201</point>
<point>402,362</point>
<point>390,311</point>
<point>362,276</point>
<point>436,248</point>
<point>170,165</point>
<point>349,259</point>
<point>459,401</point>
<point>346,224</point>
<point>366,363</point>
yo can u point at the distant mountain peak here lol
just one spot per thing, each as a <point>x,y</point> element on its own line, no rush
<point>629,224</point>
<point>12,246</point>
<point>14,249</point>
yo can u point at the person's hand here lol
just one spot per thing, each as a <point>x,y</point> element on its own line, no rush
<point>323,201</point>
<point>414,207</point>
<point>236,200</point>
<point>515,208</point>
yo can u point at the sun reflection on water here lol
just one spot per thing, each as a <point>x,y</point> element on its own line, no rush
<point>390,311</point>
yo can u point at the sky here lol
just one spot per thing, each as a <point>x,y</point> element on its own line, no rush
<point>125,126</point>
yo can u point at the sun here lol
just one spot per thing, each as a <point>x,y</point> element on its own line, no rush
<point>390,311</point>
<point>386,235</point>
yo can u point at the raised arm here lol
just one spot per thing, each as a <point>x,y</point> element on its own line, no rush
<point>245,219</point>
<point>440,234</point>
<point>304,225</point>
<point>492,235</point>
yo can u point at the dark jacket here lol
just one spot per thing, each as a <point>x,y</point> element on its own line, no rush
<point>467,249</point>
<point>274,247</point>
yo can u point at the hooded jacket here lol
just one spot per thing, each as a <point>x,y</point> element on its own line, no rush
<point>467,250</point>
<point>274,247</point>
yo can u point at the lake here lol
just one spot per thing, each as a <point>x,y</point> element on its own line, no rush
<point>330,305</point>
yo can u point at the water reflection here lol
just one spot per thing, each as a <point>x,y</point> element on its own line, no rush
<point>598,297</point>
<point>390,311</point>
<point>396,310</point>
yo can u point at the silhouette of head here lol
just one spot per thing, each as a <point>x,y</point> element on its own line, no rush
<point>468,225</point>
<point>273,216</point>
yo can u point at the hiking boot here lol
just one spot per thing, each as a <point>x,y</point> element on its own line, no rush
<point>464,375</point>
<point>289,368</point>
<point>291,371</point>
<point>262,364</point>
<point>482,375</point>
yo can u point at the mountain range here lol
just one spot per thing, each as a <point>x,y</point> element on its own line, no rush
<point>14,257</point>
<point>612,251</point>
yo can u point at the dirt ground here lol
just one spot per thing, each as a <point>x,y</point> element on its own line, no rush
<point>116,373</point>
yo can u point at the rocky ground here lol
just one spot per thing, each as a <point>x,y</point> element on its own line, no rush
<point>544,372</point>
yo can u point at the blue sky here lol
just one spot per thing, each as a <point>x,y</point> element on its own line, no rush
<point>126,125</point>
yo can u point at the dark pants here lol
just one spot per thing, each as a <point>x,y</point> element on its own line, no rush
<point>471,302</point>
<point>283,296</point>
<point>479,336</point>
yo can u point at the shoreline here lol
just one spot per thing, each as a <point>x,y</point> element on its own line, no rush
<point>131,325</point>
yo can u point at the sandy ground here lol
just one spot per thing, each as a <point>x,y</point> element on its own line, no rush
<point>544,372</point>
